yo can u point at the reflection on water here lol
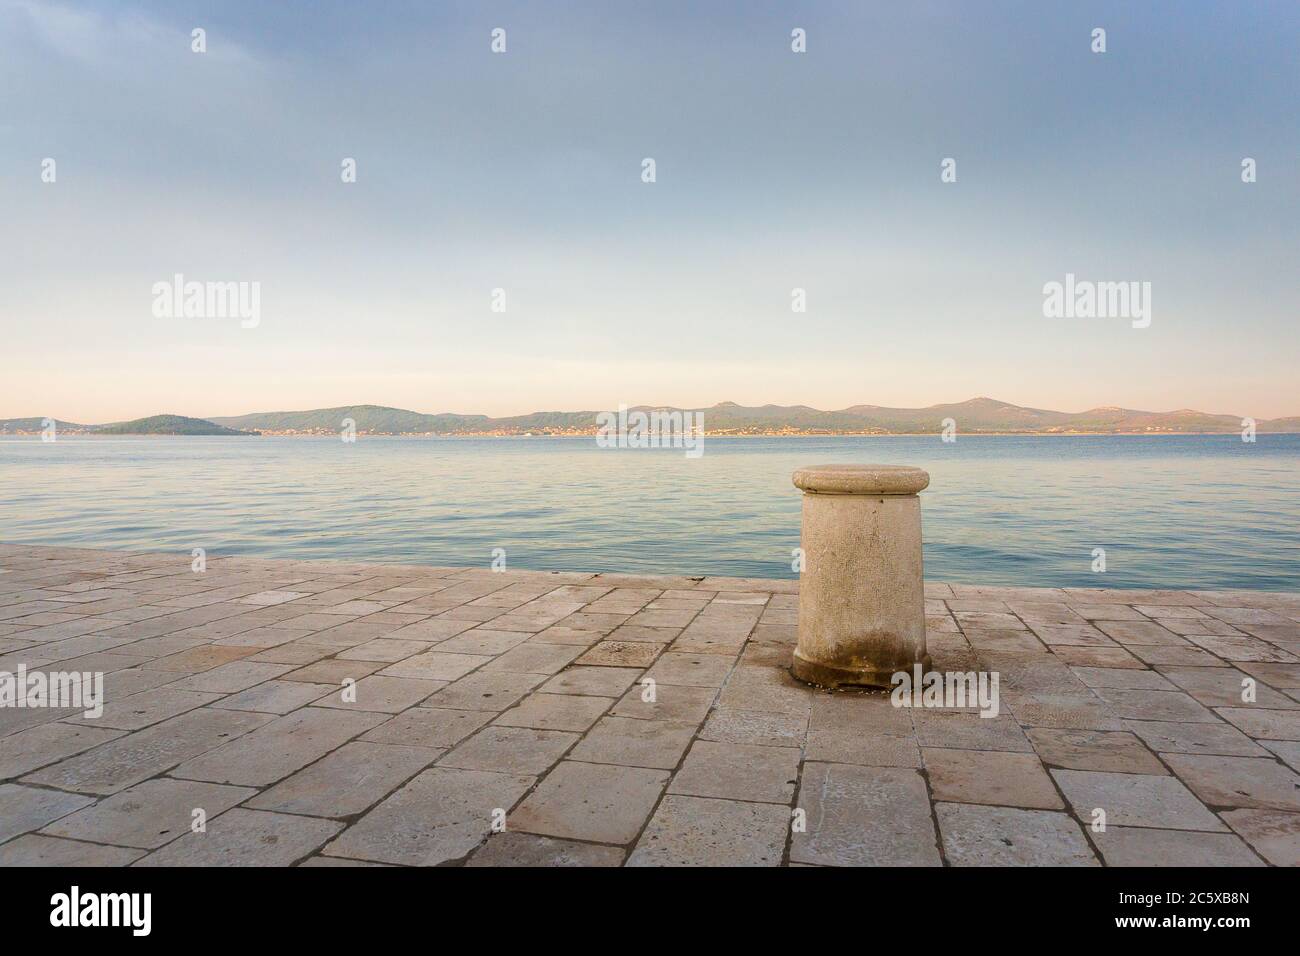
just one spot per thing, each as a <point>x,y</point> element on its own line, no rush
<point>1195,511</point>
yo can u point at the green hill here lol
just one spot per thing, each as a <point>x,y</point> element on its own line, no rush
<point>27,426</point>
<point>376,419</point>
<point>169,425</point>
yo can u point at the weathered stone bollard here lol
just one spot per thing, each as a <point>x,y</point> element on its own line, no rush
<point>861,599</point>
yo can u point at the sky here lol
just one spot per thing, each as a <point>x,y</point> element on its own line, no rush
<point>523,171</point>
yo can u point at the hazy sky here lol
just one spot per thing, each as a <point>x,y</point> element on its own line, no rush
<point>522,171</point>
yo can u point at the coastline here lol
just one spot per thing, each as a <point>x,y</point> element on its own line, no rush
<point>707,434</point>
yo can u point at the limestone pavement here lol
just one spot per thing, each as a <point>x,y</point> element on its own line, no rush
<point>326,713</point>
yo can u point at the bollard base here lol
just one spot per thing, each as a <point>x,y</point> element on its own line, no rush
<point>837,677</point>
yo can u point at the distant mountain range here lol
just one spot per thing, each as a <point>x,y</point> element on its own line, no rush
<point>977,416</point>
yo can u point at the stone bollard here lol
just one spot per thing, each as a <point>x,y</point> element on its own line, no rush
<point>861,599</point>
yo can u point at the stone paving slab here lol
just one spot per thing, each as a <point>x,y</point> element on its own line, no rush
<point>150,814</point>
<point>1003,836</point>
<point>491,693</point>
<point>1273,834</point>
<point>35,850</point>
<point>629,742</point>
<point>694,831</point>
<point>995,778</point>
<point>1138,800</point>
<point>527,849</point>
<point>347,781</point>
<point>519,750</point>
<point>441,815</point>
<point>428,727</point>
<point>145,708</point>
<point>242,837</point>
<point>26,808</point>
<point>864,816</point>
<point>278,748</point>
<point>48,743</point>
<point>555,712</point>
<point>531,718</point>
<point>1238,781</point>
<point>1114,751</point>
<point>738,772</point>
<point>1132,846</point>
<point>592,802</point>
<point>276,697</point>
<point>146,753</point>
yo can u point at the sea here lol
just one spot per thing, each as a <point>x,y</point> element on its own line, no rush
<point>1196,511</point>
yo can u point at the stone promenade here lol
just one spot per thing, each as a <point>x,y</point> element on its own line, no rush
<point>323,714</point>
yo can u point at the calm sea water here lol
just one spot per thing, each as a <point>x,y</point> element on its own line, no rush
<point>1196,511</point>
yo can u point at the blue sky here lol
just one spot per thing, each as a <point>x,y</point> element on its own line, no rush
<point>521,171</point>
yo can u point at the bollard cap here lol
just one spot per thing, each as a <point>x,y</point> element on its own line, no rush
<point>861,479</point>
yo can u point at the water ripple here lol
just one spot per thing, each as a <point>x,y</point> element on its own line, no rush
<point>1170,511</point>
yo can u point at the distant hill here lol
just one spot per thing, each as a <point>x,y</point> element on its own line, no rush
<point>1291,424</point>
<point>168,425</point>
<point>21,426</point>
<point>373,419</point>
<point>977,416</point>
